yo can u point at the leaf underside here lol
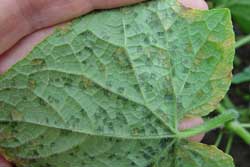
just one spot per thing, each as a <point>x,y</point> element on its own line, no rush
<point>110,89</point>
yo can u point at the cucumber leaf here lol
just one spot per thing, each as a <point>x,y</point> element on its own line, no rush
<point>240,11</point>
<point>110,89</point>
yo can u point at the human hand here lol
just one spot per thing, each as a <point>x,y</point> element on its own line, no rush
<point>28,22</point>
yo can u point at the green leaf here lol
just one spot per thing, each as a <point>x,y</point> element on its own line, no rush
<point>111,88</point>
<point>242,77</point>
<point>197,154</point>
<point>240,11</point>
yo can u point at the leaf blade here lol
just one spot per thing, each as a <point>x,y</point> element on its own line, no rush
<point>113,79</point>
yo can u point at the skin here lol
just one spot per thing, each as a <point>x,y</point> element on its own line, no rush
<point>28,22</point>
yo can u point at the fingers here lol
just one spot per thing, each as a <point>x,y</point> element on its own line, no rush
<point>22,48</point>
<point>43,13</point>
<point>13,26</point>
<point>195,4</point>
<point>191,123</point>
<point>23,17</point>
<point>4,163</point>
<point>98,4</point>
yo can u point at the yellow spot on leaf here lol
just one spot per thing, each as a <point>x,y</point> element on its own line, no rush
<point>16,116</point>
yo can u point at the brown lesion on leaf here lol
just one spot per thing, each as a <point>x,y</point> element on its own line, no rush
<point>229,42</point>
<point>102,67</point>
<point>65,28</point>
<point>5,136</point>
<point>229,76</point>
<point>31,84</point>
<point>16,115</point>
<point>135,131</point>
<point>189,47</point>
<point>38,61</point>
<point>190,15</point>
<point>85,83</point>
<point>120,57</point>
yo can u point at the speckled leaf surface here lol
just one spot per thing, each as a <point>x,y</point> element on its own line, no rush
<point>111,88</point>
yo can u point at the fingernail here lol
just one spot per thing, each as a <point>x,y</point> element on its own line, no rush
<point>194,4</point>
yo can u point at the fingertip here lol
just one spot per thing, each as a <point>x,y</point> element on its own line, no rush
<point>191,123</point>
<point>194,4</point>
<point>98,4</point>
<point>22,48</point>
<point>197,138</point>
<point>4,162</point>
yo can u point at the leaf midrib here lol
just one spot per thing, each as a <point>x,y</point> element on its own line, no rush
<point>136,76</point>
